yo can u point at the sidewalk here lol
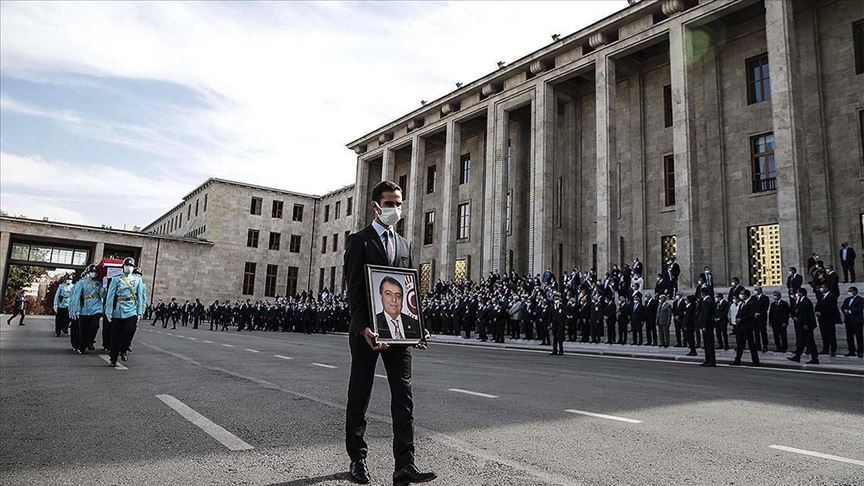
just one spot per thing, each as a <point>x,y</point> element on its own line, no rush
<point>838,364</point>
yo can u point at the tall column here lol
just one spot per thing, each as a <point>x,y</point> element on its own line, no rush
<point>684,148</point>
<point>388,165</point>
<point>361,188</point>
<point>489,192</point>
<point>499,221</point>
<point>791,184</point>
<point>542,186</point>
<point>607,214</point>
<point>100,251</point>
<point>447,245</point>
<point>5,241</point>
<point>414,212</point>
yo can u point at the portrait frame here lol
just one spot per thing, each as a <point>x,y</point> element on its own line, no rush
<point>411,312</point>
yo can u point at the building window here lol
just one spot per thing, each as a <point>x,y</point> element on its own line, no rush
<point>669,179</point>
<point>509,216</point>
<point>509,155</point>
<point>336,242</point>
<point>252,238</point>
<point>188,212</point>
<point>429,228</point>
<point>764,167</point>
<point>465,169</point>
<point>249,279</point>
<point>403,183</point>
<point>323,244</point>
<point>858,39</point>
<point>345,241</point>
<point>668,250</point>
<point>464,222</point>
<point>196,207</point>
<point>559,203</point>
<point>758,79</point>
<point>255,208</point>
<point>321,281</point>
<point>291,284</point>
<point>667,106</point>
<point>205,203</point>
<point>337,210</point>
<point>294,246</point>
<point>277,209</point>
<point>181,221</point>
<point>270,281</point>
<point>298,213</point>
<point>332,279</point>
<point>431,174</point>
<point>764,246</point>
<point>349,206</point>
<point>326,213</point>
<point>275,238</point>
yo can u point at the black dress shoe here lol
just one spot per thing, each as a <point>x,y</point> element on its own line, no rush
<point>708,365</point>
<point>691,353</point>
<point>794,358</point>
<point>813,361</point>
<point>410,474</point>
<point>123,357</point>
<point>359,472</point>
<point>736,363</point>
<point>850,355</point>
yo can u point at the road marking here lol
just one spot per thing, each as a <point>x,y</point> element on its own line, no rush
<point>323,365</point>
<point>158,332</point>
<point>180,335</point>
<point>224,437</point>
<point>192,339</point>
<point>252,350</point>
<point>381,376</point>
<point>228,345</point>
<point>600,415</point>
<point>208,342</point>
<point>476,394</point>
<point>817,454</point>
<point>106,359</point>
<point>282,357</point>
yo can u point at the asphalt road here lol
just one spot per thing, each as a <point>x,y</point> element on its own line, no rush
<point>482,416</point>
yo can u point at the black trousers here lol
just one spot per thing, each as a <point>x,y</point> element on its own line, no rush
<point>17,312</point>
<point>75,333</point>
<point>829,338</point>
<point>677,335</point>
<point>742,337</point>
<point>106,334</point>
<point>558,341</point>
<point>195,321</point>
<point>88,326</point>
<point>636,329</point>
<point>848,272</point>
<point>397,362</point>
<point>761,335</point>
<point>807,343</point>
<point>622,332</point>
<point>855,332</point>
<point>651,334</point>
<point>610,331</point>
<point>710,355</point>
<point>514,329</point>
<point>121,335</point>
<point>781,339</point>
<point>61,321</point>
<point>722,335</point>
<point>690,338</point>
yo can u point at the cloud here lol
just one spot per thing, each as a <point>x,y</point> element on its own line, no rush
<point>284,85</point>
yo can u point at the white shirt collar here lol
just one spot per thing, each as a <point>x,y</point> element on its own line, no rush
<point>379,228</point>
<point>392,327</point>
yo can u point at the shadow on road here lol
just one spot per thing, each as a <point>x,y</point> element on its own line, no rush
<point>342,476</point>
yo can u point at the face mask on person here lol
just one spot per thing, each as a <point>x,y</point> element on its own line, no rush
<point>68,281</point>
<point>92,274</point>
<point>127,269</point>
<point>389,216</point>
<point>741,296</point>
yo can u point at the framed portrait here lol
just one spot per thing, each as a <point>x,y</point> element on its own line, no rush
<point>394,304</point>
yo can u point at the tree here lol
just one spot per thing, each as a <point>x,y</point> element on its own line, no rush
<point>50,292</point>
<point>20,276</point>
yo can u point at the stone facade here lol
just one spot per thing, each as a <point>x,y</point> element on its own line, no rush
<point>569,145</point>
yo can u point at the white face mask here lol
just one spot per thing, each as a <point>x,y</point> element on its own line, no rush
<point>389,216</point>
<point>92,274</point>
<point>127,269</point>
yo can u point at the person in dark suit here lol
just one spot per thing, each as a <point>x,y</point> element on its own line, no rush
<point>708,278</point>
<point>673,270</point>
<point>847,262</point>
<point>828,315</point>
<point>558,321</point>
<point>678,310</point>
<point>745,324</point>
<point>735,288</point>
<point>378,244</point>
<point>778,316</point>
<point>794,282</point>
<point>853,309</point>
<point>805,318</point>
<point>392,323</point>
<point>705,322</point>
<point>611,314</point>
<point>651,321</point>
<point>832,280</point>
<point>689,324</point>
<point>637,319</point>
<point>761,332</point>
<point>721,322</point>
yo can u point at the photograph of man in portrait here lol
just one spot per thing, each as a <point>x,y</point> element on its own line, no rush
<point>394,305</point>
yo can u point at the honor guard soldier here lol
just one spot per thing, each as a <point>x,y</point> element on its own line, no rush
<point>124,303</point>
<point>85,309</point>
<point>61,306</point>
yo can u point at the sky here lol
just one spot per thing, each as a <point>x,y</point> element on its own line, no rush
<point>111,112</point>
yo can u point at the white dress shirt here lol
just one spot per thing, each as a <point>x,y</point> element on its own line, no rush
<point>395,324</point>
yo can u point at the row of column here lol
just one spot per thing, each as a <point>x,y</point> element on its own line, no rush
<point>781,51</point>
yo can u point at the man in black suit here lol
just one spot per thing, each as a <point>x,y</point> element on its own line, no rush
<point>853,309</point>
<point>674,271</point>
<point>805,319</point>
<point>735,288</point>
<point>745,325</point>
<point>778,315</point>
<point>794,282</point>
<point>705,322</point>
<point>708,277</point>
<point>558,321</point>
<point>832,280</point>
<point>761,332</point>
<point>378,244</point>
<point>828,315</point>
<point>392,323</point>
<point>721,322</point>
<point>847,261</point>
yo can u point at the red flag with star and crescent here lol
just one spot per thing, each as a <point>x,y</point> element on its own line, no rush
<point>411,296</point>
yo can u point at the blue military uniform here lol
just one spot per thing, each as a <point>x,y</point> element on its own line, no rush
<point>125,302</point>
<point>85,309</point>
<point>61,307</point>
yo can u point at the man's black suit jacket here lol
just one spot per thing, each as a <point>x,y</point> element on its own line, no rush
<point>366,248</point>
<point>410,326</point>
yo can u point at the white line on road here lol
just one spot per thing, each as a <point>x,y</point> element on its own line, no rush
<point>224,437</point>
<point>208,342</point>
<point>818,454</point>
<point>282,357</point>
<point>192,339</point>
<point>381,376</point>
<point>158,332</point>
<point>180,335</point>
<point>600,415</point>
<point>476,394</point>
<point>252,350</point>
<point>323,365</point>
<point>106,359</point>
<point>228,345</point>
